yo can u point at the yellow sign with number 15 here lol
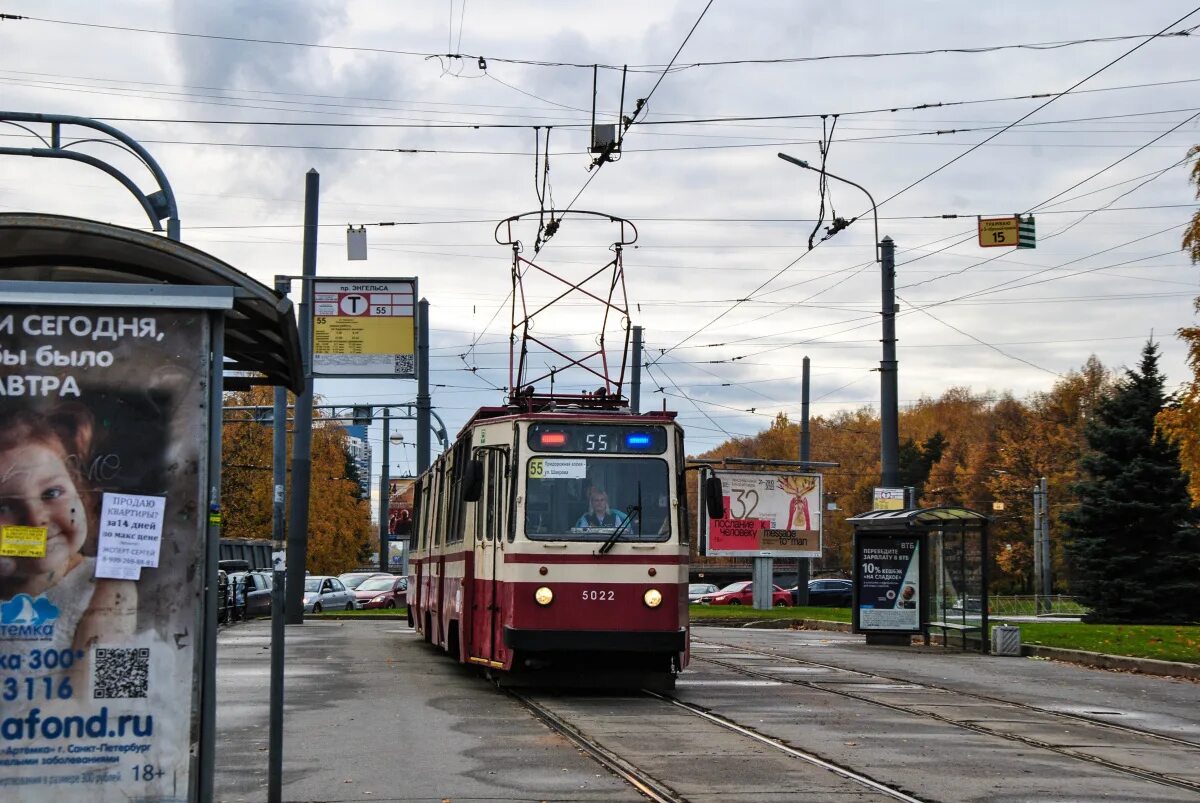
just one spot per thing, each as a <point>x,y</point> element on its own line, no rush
<point>999,232</point>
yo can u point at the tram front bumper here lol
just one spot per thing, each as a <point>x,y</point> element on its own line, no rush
<point>595,640</point>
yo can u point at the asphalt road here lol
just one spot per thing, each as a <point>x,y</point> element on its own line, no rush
<point>375,714</point>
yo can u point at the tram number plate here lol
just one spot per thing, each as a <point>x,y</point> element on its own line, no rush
<point>599,596</point>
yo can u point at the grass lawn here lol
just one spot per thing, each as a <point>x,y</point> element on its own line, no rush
<point>1164,642</point>
<point>699,613</point>
<point>373,613</point>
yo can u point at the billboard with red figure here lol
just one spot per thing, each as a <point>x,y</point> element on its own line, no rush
<point>767,515</point>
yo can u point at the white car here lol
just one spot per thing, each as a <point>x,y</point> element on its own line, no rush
<point>322,593</point>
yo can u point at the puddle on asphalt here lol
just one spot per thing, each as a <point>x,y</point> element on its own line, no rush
<point>697,682</point>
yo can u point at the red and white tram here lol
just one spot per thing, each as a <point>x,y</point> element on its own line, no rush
<point>554,545</point>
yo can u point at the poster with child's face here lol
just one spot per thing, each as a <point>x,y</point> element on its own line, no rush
<point>103,433</point>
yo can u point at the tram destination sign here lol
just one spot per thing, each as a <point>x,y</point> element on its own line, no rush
<point>767,515</point>
<point>365,328</point>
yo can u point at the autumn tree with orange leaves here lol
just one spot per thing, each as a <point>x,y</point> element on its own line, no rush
<point>340,532</point>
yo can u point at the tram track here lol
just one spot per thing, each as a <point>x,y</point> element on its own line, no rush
<point>658,790</point>
<point>1064,715</point>
<point>832,688</point>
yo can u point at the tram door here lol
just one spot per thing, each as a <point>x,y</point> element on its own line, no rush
<point>489,555</point>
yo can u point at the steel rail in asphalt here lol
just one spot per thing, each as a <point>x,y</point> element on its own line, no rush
<point>1147,775</point>
<point>650,787</point>
<point>803,755</point>
<point>975,695</point>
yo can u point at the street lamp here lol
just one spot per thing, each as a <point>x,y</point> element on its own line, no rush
<point>889,414</point>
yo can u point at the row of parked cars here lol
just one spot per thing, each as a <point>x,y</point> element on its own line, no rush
<point>246,594</point>
<point>833,592</point>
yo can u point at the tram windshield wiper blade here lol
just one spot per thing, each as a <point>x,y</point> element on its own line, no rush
<point>630,512</point>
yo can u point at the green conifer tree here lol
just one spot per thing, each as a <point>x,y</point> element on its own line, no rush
<point>1133,542</point>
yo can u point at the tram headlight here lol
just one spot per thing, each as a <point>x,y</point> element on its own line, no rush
<point>543,596</point>
<point>652,598</point>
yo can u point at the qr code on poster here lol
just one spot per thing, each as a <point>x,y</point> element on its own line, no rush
<point>406,364</point>
<point>121,672</point>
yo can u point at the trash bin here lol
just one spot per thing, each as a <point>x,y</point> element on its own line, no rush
<point>1006,640</point>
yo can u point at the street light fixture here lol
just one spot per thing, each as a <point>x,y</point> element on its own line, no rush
<point>889,414</point>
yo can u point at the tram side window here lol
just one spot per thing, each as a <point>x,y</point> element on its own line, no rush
<point>681,488</point>
<point>414,536</point>
<point>589,498</point>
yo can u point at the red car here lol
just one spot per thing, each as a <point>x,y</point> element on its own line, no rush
<point>742,593</point>
<point>382,591</point>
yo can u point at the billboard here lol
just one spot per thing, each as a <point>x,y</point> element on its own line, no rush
<point>767,515</point>
<point>400,506</point>
<point>888,579</point>
<point>365,328</point>
<point>103,459</point>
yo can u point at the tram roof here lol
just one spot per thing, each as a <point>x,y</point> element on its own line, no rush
<point>566,415</point>
<point>260,330</point>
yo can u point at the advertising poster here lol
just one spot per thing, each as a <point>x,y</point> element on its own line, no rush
<point>887,499</point>
<point>767,515</point>
<point>103,433</point>
<point>365,327</point>
<point>889,583</point>
<point>400,506</point>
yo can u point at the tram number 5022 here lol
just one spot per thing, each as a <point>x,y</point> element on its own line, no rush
<point>596,443</point>
<point>599,596</point>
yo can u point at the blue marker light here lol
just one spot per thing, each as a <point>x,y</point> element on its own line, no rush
<point>637,440</point>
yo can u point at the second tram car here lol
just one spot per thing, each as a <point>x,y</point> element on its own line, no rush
<point>554,545</point>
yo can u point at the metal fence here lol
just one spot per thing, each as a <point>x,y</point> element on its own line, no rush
<point>1031,605</point>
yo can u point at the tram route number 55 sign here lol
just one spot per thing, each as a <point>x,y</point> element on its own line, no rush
<point>365,328</point>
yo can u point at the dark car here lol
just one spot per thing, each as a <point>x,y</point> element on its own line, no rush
<point>742,593</point>
<point>251,593</point>
<point>832,592</point>
<point>382,591</point>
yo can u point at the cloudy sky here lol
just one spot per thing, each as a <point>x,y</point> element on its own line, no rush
<point>721,277</point>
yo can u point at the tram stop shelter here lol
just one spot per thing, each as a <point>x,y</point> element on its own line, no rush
<point>114,349</point>
<point>921,571</point>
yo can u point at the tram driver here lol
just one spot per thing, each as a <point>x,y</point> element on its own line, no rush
<point>599,513</point>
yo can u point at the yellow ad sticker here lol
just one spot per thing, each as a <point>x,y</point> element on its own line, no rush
<point>23,542</point>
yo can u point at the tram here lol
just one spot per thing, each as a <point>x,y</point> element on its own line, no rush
<point>553,545</point>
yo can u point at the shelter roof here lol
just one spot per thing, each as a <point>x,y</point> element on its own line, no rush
<point>926,518</point>
<point>260,329</point>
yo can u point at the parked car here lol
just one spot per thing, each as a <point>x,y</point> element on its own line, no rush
<point>382,591</point>
<point>251,593</point>
<point>353,579</point>
<point>834,592</point>
<point>742,593</point>
<point>698,590</point>
<point>327,593</point>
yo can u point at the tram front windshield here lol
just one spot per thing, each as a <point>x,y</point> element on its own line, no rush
<point>592,498</point>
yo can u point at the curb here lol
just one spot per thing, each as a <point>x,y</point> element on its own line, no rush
<point>776,624</point>
<point>369,617</point>
<point>1100,660</point>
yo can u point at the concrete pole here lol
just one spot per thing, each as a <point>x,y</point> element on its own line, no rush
<point>802,564</point>
<point>889,402</point>
<point>1047,565</point>
<point>1037,548</point>
<point>423,402</point>
<point>384,489</point>
<point>763,583</point>
<point>297,547</point>
<point>635,380</point>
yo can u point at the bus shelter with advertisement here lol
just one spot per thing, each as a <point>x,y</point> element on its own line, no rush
<point>921,571</point>
<point>114,344</point>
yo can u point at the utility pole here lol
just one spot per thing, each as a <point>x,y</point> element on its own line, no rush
<point>635,380</point>
<point>1041,546</point>
<point>297,546</point>
<point>889,402</point>
<point>802,564</point>
<point>385,490</point>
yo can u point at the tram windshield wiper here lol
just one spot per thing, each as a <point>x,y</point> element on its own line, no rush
<point>630,512</point>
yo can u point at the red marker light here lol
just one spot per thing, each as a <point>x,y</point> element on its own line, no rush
<point>554,438</point>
